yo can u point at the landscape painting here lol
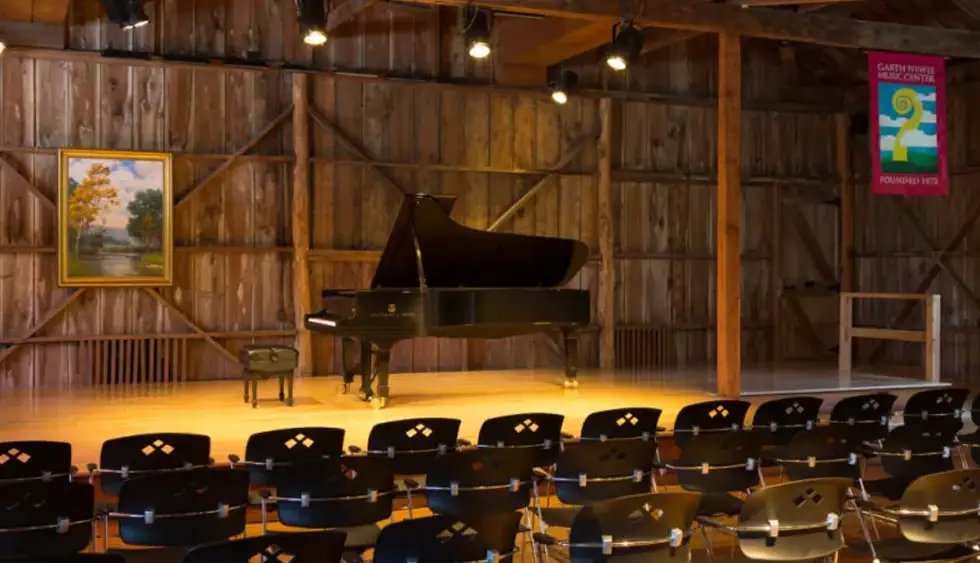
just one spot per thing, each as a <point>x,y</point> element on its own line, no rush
<point>115,219</point>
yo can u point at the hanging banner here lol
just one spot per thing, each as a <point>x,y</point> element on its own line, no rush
<point>908,124</point>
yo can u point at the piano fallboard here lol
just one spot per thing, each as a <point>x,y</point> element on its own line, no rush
<point>450,313</point>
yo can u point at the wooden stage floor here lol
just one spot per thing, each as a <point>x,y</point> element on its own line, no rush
<point>87,417</point>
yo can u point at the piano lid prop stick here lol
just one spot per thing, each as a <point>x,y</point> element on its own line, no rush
<point>422,285</point>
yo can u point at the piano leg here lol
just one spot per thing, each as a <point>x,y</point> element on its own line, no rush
<point>366,373</point>
<point>380,401</point>
<point>570,338</point>
<point>348,348</point>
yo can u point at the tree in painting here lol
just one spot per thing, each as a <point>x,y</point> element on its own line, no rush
<point>115,218</point>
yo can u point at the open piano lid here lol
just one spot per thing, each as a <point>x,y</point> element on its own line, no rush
<point>457,256</point>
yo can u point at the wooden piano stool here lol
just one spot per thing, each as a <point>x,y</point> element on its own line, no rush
<point>260,362</point>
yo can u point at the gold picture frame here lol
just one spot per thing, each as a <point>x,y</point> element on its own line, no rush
<point>115,218</point>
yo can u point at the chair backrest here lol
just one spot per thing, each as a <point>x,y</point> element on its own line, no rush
<point>909,452</point>
<point>325,546</point>
<point>719,463</point>
<point>271,456</point>
<point>588,472</point>
<point>353,491</point>
<point>479,481</point>
<point>538,431</point>
<point>144,454</point>
<point>776,422</point>
<point>867,415</point>
<point>709,417</point>
<point>412,443</point>
<point>35,460</point>
<point>59,510</point>
<point>825,451</point>
<point>619,424</point>
<point>183,508</point>
<point>938,410</point>
<point>74,558</point>
<point>448,539</point>
<point>664,520</point>
<point>947,492</point>
<point>807,517</point>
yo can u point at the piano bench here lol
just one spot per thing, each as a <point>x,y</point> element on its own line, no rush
<point>260,362</point>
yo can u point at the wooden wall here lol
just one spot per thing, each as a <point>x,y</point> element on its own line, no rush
<point>233,270</point>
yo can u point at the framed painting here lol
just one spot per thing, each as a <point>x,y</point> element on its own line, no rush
<point>115,219</point>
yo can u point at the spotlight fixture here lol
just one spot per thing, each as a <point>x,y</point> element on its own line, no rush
<point>3,47</point>
<point>127,14</point>
<point>562,84</point>
<point>477,32</point>
<point>312,16</point>
<point>626,44</point>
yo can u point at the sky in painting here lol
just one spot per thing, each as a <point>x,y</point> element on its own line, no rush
<point>890,121</point>
<point>128,176</point>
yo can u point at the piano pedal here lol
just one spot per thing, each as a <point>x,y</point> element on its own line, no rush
<point>365,395</point>
<point>571,384</point>
<point>343,389</point>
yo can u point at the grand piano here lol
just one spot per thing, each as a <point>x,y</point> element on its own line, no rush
<point>439,278</point>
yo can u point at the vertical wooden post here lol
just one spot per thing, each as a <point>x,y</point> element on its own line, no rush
<point>843,149</point>
<point>607,268</point>
<point>845,344</point>
<point>301,221</point>
<point>933,326</point>
<point>729,226</point>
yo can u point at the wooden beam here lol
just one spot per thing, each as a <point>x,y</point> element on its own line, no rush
<point>549,41</point>
<point>354,148</point>
<point>729,221</point>
<point>190,324</point>
<point>300,220</point>
<point>771,3</point>
<point>26,184</point>
<point>231,160</point>
<point>39,325</point>
<point>51,12</point>
<point>571,151</point>
<point>655,39</point>
<point>842,130</point>
<point>27,34</point>
<point>346,11</point>
<point>606,305</point>
<point>780,25</point>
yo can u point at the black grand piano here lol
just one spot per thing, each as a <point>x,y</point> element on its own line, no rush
<point>439,278</point>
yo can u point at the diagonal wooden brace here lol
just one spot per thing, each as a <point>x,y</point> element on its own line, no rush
<point>7,352</point>
<point>190,324</point>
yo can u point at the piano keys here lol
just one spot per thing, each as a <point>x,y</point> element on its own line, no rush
<point>439,278</point>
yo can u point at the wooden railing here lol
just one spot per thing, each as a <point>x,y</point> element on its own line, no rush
<point>133,360</point>
<point>928,336</point>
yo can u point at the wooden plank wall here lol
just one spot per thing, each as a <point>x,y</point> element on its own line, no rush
<point>484,144</point>
<point>892,256</point>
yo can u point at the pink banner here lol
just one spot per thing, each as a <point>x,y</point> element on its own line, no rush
<point>908,124</point>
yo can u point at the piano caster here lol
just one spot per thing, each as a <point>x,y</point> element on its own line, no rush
<point>365,395</point>
<point>571,384</point>
<point>379,403</point>
<point>344,389</point>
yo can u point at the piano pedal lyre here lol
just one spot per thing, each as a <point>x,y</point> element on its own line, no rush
<point>571,383</point>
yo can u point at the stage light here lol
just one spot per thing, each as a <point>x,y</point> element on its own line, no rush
<point>477,32</point>
<point>3,47</point>
<point>626,45</point>
<point>128,14</point>
<point>312,16</point>
<point>561,84</point>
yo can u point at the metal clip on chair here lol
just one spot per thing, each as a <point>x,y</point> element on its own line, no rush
<point>866,416</point>
<point>938,519</point>
<point>654,526</point>
<point>537,432</point>
<point>907,454</point>
<point>796,521</point>
<point>271,456</point>
<point>46,518</point>
<point>445,538</point>
<point>717,465</point>
<point>776,422</point>
<point>26,461</point>
<point>710,417</point>
<point>147,454</point>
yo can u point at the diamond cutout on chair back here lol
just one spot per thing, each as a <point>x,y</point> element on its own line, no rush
<point>944,398</point>
<point>459,529</point>
<point>809,495</point>
<point>627,418</point>
<point>646,511</point>
<point>14,454</point>
<point>720,410</point>
<point>528,424</point>
<point>794,407</point>
<point>299,439</point>
<point>419,429</point>
<point>967,483</point>
<point>870,404</point>
<point>272,554</point>
<point>158,445</point>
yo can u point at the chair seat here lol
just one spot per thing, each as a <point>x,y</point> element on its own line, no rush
<point>362,537</point>
<point>901,550</point>
<point>716,504</point>
<point>559,517</point>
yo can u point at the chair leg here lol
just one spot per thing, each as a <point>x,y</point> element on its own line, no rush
<point>707,544</point>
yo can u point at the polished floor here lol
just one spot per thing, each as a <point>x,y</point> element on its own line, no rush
<point>86,417</point>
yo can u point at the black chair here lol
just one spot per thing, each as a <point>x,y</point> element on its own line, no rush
<point>653,528</point>
<point>936,410</point>
<point>353,494</point>
<point>589,472</point>
<point>906,454</point>
<point>796,521</point>
<point>540,432</point>
<point>45,518</point>
<point>717,465</point>
<point>622,424</point>
<point>302,547</point>
<point>776,422</point>
<point>866,416</point>
<point>708,418</point>
<point>72,558</point>
<point>270,456</point>
<point>825,451</point>
<point>937,518</point>
<point>447,539</point>
<point>181,509</point>
<point>411,444</point>
<point>147,454</point>
<point>35,461</point>
<point>474,482</point>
